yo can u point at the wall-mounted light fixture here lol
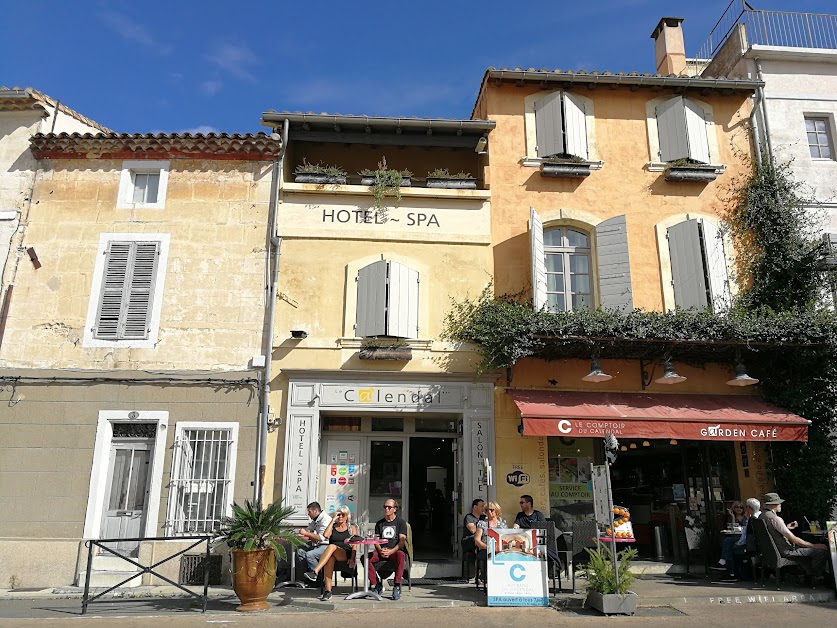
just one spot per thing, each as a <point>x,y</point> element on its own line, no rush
<point>633,446</point>
<point>673,441</point>
<point>481,145</point>
<point>299,334</point>
<point>646,443</point>
<point>34,257</point>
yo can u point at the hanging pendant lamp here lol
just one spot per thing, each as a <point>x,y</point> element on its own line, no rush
<point>669,375</point>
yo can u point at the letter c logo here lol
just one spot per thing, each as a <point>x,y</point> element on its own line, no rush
<point>564,426</point>
<point>515,576</point>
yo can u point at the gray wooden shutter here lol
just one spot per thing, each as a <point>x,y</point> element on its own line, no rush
<point>127,290</point>
<point>696,131</point>
<point>548,126</point>
<point>371,300</point>
<point>402,311</point>
<point>687,274</point>
<point>716,266</point>
<point>575,123</point>
<point>539,296</point>
<point>671,129</point>
<point>614,264</point>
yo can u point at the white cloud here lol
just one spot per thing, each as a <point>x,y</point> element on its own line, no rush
<point>211,87</point>
<point>133,32</point>
<point>234,59</point>
<point>203,128</point>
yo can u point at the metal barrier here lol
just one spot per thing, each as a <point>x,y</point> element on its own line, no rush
<point>100,543</point>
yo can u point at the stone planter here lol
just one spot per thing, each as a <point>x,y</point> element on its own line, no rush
<point>452,184</point>
<point>565,170</point>
<point>612,603</point>
<point>385,353</point>
<point>370,180</point>
<point>690,174</point>
<point>319,178</point>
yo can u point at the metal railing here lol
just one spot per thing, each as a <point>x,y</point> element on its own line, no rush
<point>771,28</point>
<point>100,543</point>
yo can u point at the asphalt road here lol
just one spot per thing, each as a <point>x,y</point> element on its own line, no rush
<point>143,613</point>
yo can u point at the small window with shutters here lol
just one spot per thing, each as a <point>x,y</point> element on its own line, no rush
<point>143,185</point>
<point>387,301</point>
<point>561,126</point>
<point>682,131</point>
<point>699,273</point>
<point>126,300</point>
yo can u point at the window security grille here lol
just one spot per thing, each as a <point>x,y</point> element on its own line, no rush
<point>199,493</point>
<point>134,430</point>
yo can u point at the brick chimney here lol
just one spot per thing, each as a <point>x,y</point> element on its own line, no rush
<point>669,49</point>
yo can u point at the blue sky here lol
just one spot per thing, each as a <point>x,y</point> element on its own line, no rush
<point>174,66</point>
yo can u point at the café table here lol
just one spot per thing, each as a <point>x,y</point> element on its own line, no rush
<point>820,536</point>
<point>733,532</point>
<point>366,545</point>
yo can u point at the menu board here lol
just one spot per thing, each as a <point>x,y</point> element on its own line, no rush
<point>341,468</point>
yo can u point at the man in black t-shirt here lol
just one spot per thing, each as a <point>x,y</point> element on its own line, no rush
<point>528,516</point>
<point>392,530</point>
<point>469,528</point>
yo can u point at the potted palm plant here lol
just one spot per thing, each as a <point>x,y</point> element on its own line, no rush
<point>609,581</point>
<point>254,534</point>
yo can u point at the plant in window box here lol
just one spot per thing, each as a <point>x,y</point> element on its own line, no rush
<point>385,349</point>
<point>254,536</point>
<point>385,181</point>
<point>608,588</point>
<point>689,170</point>
<point>319,173</point>
<point>443,178</point>
<point>565,165</point>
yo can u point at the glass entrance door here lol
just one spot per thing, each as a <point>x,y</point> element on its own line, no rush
<point>386,475</point>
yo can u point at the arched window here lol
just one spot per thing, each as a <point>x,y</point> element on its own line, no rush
<point>569,282</point>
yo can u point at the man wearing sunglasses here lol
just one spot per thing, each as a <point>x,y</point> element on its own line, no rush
<point>392,530</point>
<point>528,516</point>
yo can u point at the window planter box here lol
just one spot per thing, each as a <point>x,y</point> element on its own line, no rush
<point>370,180</point>
<point>691,174</point>
<point>612,603</point>
<point>403,353</point>
<point>568,169</point>
<point>452,184</point>
<point>319,178</point>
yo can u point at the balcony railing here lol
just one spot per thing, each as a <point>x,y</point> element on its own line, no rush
<point>772,28</point>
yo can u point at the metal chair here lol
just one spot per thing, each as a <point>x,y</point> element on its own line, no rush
<point>585,534</point>
<point>341,567</point>
<point>385,570</point>
<point>553,553</point>
<point>769,555</point>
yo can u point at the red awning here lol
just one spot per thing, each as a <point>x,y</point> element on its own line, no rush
<point>634,415</point>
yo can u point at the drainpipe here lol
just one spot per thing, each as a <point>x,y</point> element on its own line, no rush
<point>274,254</point>
<point>755,125</point>
<point>764,111</point>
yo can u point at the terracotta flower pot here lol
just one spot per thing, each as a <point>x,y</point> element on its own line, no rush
<point>254,575</point>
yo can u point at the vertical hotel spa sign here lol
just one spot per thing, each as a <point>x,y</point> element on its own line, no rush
<point>299,432</point>
<point>516,568</point>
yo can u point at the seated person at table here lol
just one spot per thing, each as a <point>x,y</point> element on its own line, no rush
<point>493,519</point>
<point>338,550</point>
<point>727,561</point>
<point>392,530</point>
<point>812,557</point>
<point>314,534</point>
<point>469,528</point>
<point>528,516</point>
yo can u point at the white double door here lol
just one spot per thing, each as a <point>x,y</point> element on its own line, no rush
<point>128,486</point>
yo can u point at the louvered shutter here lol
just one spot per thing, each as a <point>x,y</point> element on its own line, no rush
<point>108,316</point>
<point>687,274</point>
<point>538,262</point>
<point>137,317</point>
<point>548,125</point>
<point>696,132</point>
<point>671,129</point>
<point>575,123</point>
<point>614,264</point>
<point>402,312</point>
<point>371,300</point>
<point>716,266</point>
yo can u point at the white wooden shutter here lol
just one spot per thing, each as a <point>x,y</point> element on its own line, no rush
<point>137,317</point>
<point>614,265</point>
<point>548,127</point>
<point>538,262</point>
<point>716,266</point>
<point>671,129</point>
<point>117,260</point>
<point>696,132</point>
<point>402,312</point>
<point>371,300</point>
<point>575,123</point>
<point>687,275</point>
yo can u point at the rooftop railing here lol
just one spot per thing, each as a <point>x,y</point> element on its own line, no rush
<point>772,28</point>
